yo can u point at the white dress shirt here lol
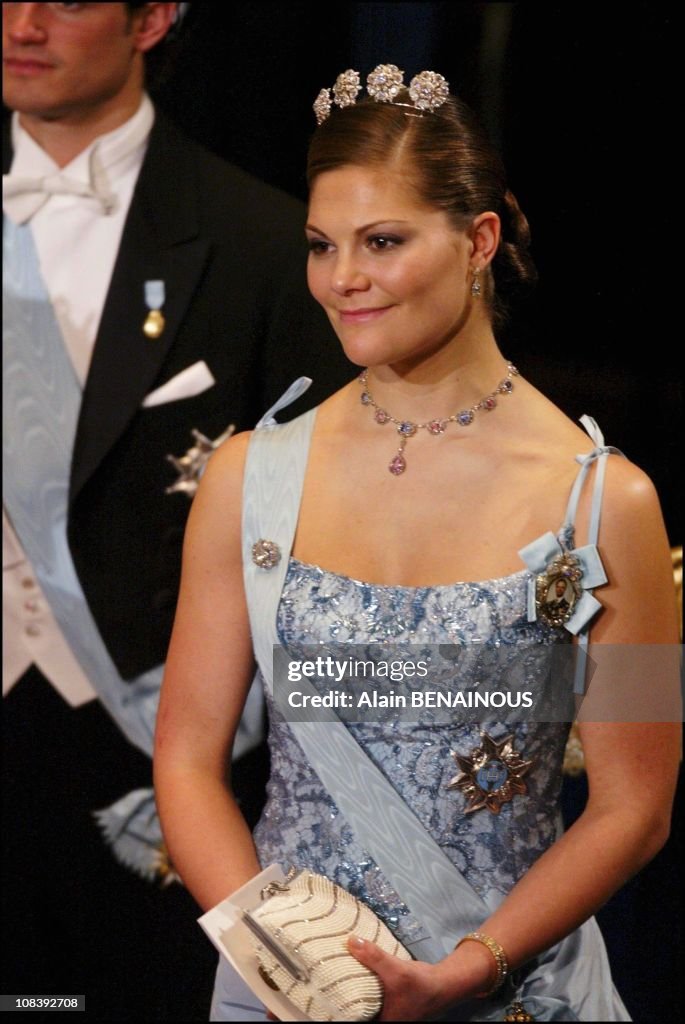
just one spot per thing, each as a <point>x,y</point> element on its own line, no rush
<point>77,239</point>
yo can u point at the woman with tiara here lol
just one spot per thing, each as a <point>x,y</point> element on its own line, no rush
<point>440,502</point>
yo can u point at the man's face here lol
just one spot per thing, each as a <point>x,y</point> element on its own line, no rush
<point>67,61</point>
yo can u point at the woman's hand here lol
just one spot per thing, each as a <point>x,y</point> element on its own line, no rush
<point>411,990</point>
<point>414,990</point>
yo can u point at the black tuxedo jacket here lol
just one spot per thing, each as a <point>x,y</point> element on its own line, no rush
<point>231,253</point>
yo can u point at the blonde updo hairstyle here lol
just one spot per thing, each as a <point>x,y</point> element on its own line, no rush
<point>450,162</point>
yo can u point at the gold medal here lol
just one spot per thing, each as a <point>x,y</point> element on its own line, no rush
<point>155,296</point>
<point>517,1012</point>
<point>154,324</point>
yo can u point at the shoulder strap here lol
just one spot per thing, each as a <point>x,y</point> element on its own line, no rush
<point>415,865</point>
<point>272,488</point>
<point>599,454</point>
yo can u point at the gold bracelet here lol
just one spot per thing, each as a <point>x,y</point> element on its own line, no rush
<point>499,955</point>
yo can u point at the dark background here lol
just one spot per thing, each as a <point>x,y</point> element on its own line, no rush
<point>580,98</point>
<point>581,101</point>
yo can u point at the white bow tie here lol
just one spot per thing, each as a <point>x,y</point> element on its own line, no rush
<point>23,196</point>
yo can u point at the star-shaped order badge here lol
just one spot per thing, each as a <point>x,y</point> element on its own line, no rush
<point>491,776</point>
<point>191,466</point>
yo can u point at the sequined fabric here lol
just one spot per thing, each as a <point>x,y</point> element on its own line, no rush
<point>301,824</point>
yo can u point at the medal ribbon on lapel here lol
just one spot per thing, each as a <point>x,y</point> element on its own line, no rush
<point>154,300</point>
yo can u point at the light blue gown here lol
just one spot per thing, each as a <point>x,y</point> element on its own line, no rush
<point>302,826</point>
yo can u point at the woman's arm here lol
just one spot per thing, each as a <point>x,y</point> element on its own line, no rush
<point>632,769</point>
<point>208,673</point>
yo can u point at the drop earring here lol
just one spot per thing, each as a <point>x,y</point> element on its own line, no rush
<point>475,284</point>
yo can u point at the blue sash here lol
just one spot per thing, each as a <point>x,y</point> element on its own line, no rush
<point>574,972</point>
<point>41,402</point>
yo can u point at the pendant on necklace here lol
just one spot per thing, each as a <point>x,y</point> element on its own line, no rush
<point>398,464</point>
<point>406,428</point>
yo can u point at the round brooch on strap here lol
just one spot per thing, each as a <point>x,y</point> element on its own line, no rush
<point>266,554</point>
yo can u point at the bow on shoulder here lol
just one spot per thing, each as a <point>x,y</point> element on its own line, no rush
<point>580,569</point>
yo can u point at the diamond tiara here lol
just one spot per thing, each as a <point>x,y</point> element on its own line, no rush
<point>427,91</point>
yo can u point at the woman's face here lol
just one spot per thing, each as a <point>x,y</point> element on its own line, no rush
<point>392,273</point>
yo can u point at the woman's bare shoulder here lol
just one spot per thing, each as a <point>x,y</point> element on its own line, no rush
<point>226,465</point>
<point>630,500</point>
<point>547,423</point>
<point>628,490</point>
<point>216,511</point>
<point>542,441</point>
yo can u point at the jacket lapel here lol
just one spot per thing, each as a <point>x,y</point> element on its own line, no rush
<point>6,143</point>
<point>160,242</point>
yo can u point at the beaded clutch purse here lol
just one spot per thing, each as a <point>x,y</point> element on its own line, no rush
<point>300,933</point>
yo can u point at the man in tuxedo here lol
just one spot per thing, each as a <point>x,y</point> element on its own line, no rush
<point>170,289</point>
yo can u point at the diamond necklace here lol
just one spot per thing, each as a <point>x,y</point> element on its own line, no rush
<point>407,428</point>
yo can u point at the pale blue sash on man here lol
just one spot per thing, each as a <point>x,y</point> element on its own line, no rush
<point>41,402</point>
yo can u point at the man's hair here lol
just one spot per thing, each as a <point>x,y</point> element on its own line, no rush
<point>159,61</point>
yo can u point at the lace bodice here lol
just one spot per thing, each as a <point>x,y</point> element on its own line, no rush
<point>301,824</point>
